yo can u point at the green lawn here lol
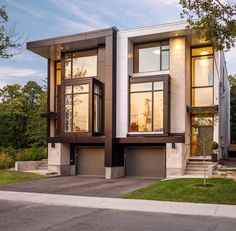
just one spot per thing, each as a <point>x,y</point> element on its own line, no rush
<point>9,177</point>
<point>183,190</point>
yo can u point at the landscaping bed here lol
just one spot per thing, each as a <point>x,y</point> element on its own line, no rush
<point>9,177</point>
<point>223,191</point>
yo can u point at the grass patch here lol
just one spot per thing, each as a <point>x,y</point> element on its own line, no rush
<point>9,177</point>
<point>227,169</point>
<point>183,190</point>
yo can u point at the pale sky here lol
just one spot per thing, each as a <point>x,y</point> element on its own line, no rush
<point>50,18</point>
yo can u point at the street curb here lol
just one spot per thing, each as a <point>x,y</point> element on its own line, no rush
<point>215,210</point>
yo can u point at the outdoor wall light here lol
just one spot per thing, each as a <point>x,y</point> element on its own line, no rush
<point>173,145</point>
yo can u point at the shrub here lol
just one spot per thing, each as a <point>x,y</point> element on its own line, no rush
<point>34,153</point>
<point>6,161</point>
<point>10,152</point>
<point>214,145</point>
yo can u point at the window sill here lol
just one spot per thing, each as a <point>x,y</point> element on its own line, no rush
<point>142,74</point>
<point>146,134</point>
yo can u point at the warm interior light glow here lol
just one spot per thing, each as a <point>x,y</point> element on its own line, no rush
<point>204,62</point>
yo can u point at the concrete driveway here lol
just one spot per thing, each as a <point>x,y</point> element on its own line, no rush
<point>81,186</point>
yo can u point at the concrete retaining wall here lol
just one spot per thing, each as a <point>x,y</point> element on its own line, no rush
<point>26,165</point>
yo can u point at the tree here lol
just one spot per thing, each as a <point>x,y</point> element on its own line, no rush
<point>9,93</point>
<point>213,20</point>
<point>232,80</point>
<point>31,94</point>
<point>9,39</point>
<point>20,109</point>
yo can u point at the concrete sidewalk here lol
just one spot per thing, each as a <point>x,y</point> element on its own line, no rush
<point>214,210</point>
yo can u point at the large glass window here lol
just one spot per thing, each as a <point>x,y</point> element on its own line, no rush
<point>146,107</point>
<point>151,57</point>
<point>77,108</point>
<point>57,83</point>
<point>78,98</point>
<point>202,77</point>
<point>81,64</point>
<point>97,113</point>
<point>57,96</point>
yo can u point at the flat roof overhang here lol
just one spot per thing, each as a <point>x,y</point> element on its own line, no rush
<point>189,34</point>
<point>51,48</point>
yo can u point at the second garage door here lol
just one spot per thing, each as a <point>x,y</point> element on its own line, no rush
<point>91,161</point>
<point>145,162</point>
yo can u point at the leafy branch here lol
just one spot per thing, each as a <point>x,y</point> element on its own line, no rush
<point>212,20</point>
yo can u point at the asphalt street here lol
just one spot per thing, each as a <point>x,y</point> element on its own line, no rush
<point>17,216</point>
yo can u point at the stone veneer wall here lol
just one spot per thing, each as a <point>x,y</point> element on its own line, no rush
<point>175,157</point>
<point>59,159</point>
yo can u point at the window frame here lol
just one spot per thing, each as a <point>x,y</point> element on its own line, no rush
<point>71,53</point>
<point>166,104</point>
<point>91,82</point>
<point>192,126</point>
<point>149,45</point>
<point>57,98</point>
<point>191,77</point>
<point>77,81</point>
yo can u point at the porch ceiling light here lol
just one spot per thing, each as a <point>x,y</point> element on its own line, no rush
<point>204,52</point>
<point>157,51</point>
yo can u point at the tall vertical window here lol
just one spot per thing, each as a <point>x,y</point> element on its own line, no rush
<point>202,77</point>
<point>58,83</point>
<point>81,64</point>
<point>149,57</point>
<point>146,107</point>
<point>77,108</point>
<point>57,94</point>
<point>97,112</point>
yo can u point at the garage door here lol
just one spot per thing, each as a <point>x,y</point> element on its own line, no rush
<point>145,162</point>
<point>91,161</point>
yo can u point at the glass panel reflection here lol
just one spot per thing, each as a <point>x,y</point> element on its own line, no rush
<point>83,88</point>
<point>67,68</point>
<point>68,112</point>
<point>97,113</point>
<point>80,113</point>
<point>202,134</point>
<point>149,59</point>
<point>141,112</point>
<point>165,60</point>
<point>158,85</point>
<point>68,90</point>
<point>85,64</point>
<point>158,111</point>
<point>202,97</point>
<point>141,87</point>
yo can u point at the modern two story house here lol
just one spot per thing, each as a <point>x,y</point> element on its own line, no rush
<point>139,102</point>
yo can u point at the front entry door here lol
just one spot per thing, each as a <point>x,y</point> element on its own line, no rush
<point>202,135</point>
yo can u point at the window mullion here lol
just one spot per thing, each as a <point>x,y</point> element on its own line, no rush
<point>152,105</point>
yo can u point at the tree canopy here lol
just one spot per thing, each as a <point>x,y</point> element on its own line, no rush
<point>9,39</point>
<point>20,109</point>
<point>213,20</point>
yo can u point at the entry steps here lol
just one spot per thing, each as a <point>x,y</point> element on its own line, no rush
<point>43,169</point>
<point>196,167</point>
<point>43,165</point>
